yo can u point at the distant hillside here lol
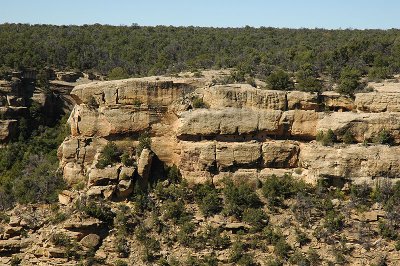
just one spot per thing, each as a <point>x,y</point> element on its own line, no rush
<point>145,51</point>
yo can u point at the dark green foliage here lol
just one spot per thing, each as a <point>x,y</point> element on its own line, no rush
<point>175,211</point>
<point>144,143</point>
<point>282,248</point>
<point>173,174</point>
<point>239,256</point>
<point>379,73</point>
<point>185,235</point>
<point>120,263</point>
<point>279,80</point>
<point>256,218</point>
<point>349,81</point>
<point>213,237</point>
<point>117,73</point>
<point>387,231</point>
<point>198,103</point>
<point>28,167</point>
<point>60,240</point>
<point>326,138</point>
<point>126,159</point>
<point>277,189</point>
<point>206,196</point>
<point>361,194</point>
<point>384,137</point>
<point>98,209</point>
<point>146,50</point>
<point>109,155</point>
<point>239,197</point>
<point>307,79</point>
<point>348,137</point>
<point>334,221</point>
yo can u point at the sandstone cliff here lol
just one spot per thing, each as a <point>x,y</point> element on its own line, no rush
<point>242,130</point>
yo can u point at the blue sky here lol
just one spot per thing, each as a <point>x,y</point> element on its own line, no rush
<point>330,14</point>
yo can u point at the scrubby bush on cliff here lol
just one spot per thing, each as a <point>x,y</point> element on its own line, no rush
<point>276,189</point>
<point>117,73</point>
<point>348,137</point>
<point>206,196</point>
<point>379,73</point>
<point>307,79</point>
<point>144,143</point>
<point>238,197</point>
<point>326,138</point>
<point>384,137</point>
<point>349,81</point>
<point>256,218</point>
<point>109,155</point>
<point>198,103</point>
<point>279,80</point>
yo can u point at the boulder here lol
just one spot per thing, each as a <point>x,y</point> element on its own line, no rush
<point>66,197</point>
<point>144,165</point>
<point>8,130</point>
<point>124,188</point>
<point>104,176</point>
<point>280,154</point>
<point>90,241</point>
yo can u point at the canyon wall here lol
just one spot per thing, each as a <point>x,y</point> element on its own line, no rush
<point>243,132</point>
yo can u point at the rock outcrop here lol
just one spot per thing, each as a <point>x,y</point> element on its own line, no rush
<point>243,132</point>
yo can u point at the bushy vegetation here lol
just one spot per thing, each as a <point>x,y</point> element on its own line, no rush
<point>326,138</point>
<point>109,155</point>
<point>238,198</point>
<point>123,51</point>
<point>28,167</point>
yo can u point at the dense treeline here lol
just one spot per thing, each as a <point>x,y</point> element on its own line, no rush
<point>157,50</point>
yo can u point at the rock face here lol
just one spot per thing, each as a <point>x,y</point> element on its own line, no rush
<point>245,133</point>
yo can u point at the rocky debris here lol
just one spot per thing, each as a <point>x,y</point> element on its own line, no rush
<point>369,216</point>
<point>66,197</point>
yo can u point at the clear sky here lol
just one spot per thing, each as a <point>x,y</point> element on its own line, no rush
<point>330,14</point>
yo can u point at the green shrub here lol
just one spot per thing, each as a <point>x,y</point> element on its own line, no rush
<point>348,81</point>
<point>326,138</point>
<point>99,210</point>
<point>256,218</point>
<point>173,174</point>
<point>348,137</point>
<point>127,160</point>
<point>277,189</point>
<point>387,231</point>
<point>198,103</point>
<point>251,81</point>
<point>361,194</point>
<point>185,234</point>
<point>206,196</point>
<point>211,236</point>
<point>109,155</point>
<point>117,73</point>
<point>282,248</point>
<point>333,221</point>
<point>302,237</point>
<point>379,73</point>
<point>60,240</point>
<point>238,198</point>
<point>120,263</point>
<point>144,143</point>
<point>175,211</point>
<point>279,80</point>
<point>384,137</point>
